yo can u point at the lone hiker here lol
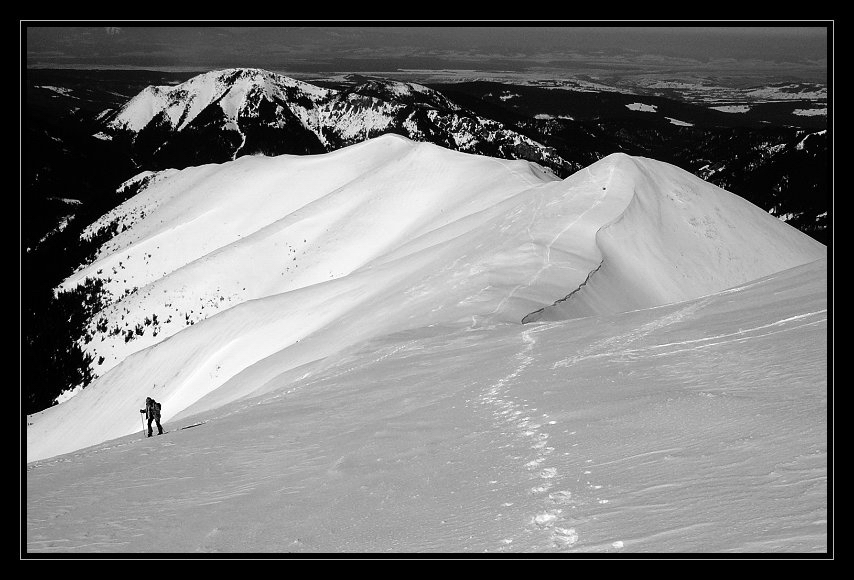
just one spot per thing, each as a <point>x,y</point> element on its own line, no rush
<point>152,413</point>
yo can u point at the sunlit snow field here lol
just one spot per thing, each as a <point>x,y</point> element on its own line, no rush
<point>696,427</point>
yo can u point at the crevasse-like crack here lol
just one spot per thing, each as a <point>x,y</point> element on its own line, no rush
<point>537,314</point>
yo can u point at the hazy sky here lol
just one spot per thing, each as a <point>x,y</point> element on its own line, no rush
<point>486,46</point>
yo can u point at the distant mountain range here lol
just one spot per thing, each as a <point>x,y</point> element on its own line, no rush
<point>221,115</point>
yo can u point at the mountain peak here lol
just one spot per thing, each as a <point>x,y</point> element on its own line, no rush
<point>177,106</point>
<point>220,115</point>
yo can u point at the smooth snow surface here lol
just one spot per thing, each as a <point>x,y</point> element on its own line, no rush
<point>259,266</point>
<point>695,427</point>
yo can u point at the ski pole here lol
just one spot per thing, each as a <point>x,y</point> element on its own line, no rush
<point>142,418</point>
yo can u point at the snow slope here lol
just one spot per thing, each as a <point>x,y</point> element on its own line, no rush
<point>697,427</point>
<point>262,268</point>
<point>679,238</point>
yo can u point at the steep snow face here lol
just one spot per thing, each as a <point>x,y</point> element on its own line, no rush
<point>678,239</point>
<point>231,276</point>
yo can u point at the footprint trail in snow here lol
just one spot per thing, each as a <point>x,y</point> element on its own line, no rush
<point>550,525</point>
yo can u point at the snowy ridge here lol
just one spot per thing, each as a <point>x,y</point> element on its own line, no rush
<point>233,277</point>
<point>680,238</point>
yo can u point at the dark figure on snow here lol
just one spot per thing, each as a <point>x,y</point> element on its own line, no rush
<point>152,413</point>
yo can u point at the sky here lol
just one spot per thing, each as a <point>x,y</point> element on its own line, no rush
<point>486,46</point>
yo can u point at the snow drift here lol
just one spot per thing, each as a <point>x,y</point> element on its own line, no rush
<point>261,270</point>
<point>677,239</point>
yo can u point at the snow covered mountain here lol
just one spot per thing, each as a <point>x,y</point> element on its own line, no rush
<point>221,115</point>
<point>229,281</point>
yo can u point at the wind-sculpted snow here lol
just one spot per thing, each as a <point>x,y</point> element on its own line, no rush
<point>234,278</point>
<point>678,239</point>
<point>692,428</point>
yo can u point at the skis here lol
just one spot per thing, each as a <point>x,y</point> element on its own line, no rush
<point>177,429</point>
<point>181,428</point>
